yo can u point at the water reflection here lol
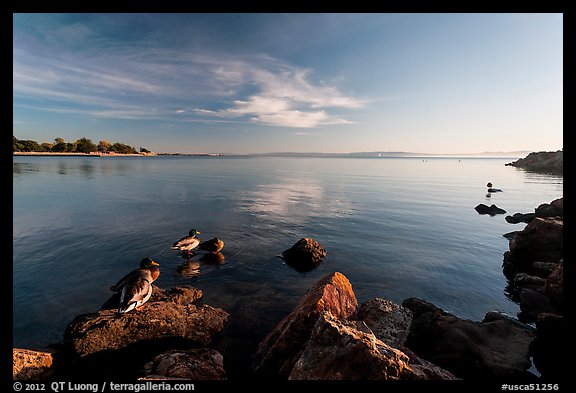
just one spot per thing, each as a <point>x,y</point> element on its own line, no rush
<point>193,265</point>
<point>294,201</point>
<point>24,167</point>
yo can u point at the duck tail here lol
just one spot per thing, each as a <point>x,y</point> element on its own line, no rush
<point>124,308</point>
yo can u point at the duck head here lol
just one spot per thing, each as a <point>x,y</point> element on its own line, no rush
<point>147,263</point>
<point>193,232</point>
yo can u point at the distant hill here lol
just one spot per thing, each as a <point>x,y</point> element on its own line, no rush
<point>511,154</point>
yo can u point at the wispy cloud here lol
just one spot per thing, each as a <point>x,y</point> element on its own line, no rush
<point>144,82</point>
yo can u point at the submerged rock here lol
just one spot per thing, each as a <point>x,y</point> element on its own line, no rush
<point>491,210</point>
<point>305,255</point>
<point>31,365</point>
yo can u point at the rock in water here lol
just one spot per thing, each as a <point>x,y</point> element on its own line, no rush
<point>496,348</point>
<point>282,347</point>
<point>169,314</point>
<point>491,210</point>
<point>305,255</point>
<point>541,240</point>
<point>321,339</point>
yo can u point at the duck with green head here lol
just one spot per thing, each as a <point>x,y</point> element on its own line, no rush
<point>136,287</point>
<point>187,243</point>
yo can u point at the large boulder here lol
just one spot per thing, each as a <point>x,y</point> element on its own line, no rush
<point>31,365</point>
<point>282,347</point>
<point>168,315</point>
<point>495,348</point>
<point>191,364</point>
<point>347,350</point>
<point>305,255</point>
<point>541,240</point>
<point>324,339</point>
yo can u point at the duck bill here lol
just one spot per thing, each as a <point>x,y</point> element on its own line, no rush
<point>155,264</point>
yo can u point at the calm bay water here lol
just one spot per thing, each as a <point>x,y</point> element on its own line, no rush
<point>396,227</point>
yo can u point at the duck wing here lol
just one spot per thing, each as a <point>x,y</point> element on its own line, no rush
<point>186,243</point>
<point>136,291</point>
<point>122,282</point>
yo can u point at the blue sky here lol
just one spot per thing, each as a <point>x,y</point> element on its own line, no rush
<point>252,83</point>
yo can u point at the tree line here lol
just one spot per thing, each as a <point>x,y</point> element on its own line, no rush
<point>82,145</point>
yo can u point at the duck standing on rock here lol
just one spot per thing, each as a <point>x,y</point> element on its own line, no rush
<point>136,287</point>
<point>187,243</point>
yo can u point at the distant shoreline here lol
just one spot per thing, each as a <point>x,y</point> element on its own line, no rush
<point>54,154</point>
<point>286,155</point>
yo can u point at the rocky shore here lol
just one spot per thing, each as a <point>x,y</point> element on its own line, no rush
<point>542,162</point>
<point>329,335</point>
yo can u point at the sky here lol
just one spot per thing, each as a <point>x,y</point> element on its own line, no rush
<point>255,83</point>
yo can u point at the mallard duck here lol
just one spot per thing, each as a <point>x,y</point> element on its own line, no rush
<point>213,245</point>
<point>187,243</point>
<point>136,287</point>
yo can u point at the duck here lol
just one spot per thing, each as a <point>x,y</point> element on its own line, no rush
<point>213,245</point>
<point>135,288</point>
<point>187,243</point>
<point>490,189</point>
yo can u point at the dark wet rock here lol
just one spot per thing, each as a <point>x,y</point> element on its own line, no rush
<point>541,240</point>
<point>470,350</point>
<point>421,369</point>
<point>191,364</point>
<point>524,280</point>
<point>542,162</point>
<point>554,286</point>
<point>543,269</point>
<point>510,235</point>
<point>550,210</point>
<point>532,304</point>
<point>517,218</point>
<point>492,316</point>
<point>549,349</point>
<point>419,307</point>
<point>491,210</point>
<point>169,314</point>
<point>305,255</point>
<point>283,346</point>
<point>28,364</point>
<point>388,321</point>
